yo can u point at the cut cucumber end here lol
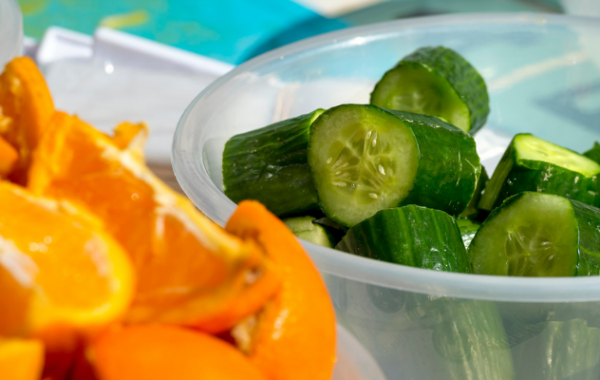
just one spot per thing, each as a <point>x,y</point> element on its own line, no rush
<point>304,228</point>
<point>533,164</point>
<point>415,87</point>
<point>531,148</point>
<point>531,234</point>
<point>363,159</point>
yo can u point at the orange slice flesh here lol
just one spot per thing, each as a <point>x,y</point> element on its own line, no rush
<point>21,359</point>
<point>151,352</point>
<point>189,270</point>
<point>58,267</point>
<point>293,337</point>
<point>8,158</point>
<point>132,137</point>
<point>25,109</point>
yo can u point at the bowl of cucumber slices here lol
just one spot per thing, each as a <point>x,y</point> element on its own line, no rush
<point>442,172</point>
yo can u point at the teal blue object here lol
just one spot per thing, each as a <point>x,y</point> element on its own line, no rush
<point>228,30</point>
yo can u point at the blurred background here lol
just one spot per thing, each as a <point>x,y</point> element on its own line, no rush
<point>146,60</point>
<point>236,30</point>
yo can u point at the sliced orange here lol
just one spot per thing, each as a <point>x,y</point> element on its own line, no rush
<point>152,352</point>
<point>21,359</point>
<point>132,137</point>
<point>189,270</point>
<point>8,158</point>
<point>293,337</point>
<point>25,109</point>
<point>59,269</point>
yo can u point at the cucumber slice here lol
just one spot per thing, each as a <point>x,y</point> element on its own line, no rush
<point>468,229</point>
<point>472,211</point>
<point>335,230</point>
<point>439,82</point>
<point>467,335</point>
<point>538,235</point>
<point>305,228</point>
<point>269,165</point>
<point>594,153</point>
<point>365,159</point>
<point>410,235</point>
<point>568,350</point>
<point>472,343</point>
<point>532,164</point>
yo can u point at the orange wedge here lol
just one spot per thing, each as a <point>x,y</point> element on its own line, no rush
<point>189,270</point>
<point>293,337</point>
<point>21,359</point>
<point>154,352</point>
<point>131,137</point>
<point>59,269</point>
<point>8,158</point>
<point>25,109</point>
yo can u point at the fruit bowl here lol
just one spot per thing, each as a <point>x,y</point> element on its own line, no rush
<point>543,76</point>
<point>11,30</point>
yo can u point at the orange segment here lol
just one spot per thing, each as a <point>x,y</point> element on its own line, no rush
<point>8,158</point>
<point>189,270</point>
<point>166,352</point>
<point>57,267</point>
<point>293,337</point>
<point>131,137</point>
<point>25,109</point>
<point>21,359</point>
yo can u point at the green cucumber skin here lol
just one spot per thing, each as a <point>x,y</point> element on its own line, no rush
<point>270,165</point>
<point>468,336</point>
<point>563,350</point>
<point>570,350</point>
<point>537,176</point>
<point>472,343</point>
<point>461,75</point>
<point>449,165</point>
<point>588,222</point>
<point>468,230</point>
<point>410,235</point>
<point>472,211</point>
<point>594,153</point>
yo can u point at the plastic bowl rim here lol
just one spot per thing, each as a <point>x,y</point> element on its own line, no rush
<point>329,261</point>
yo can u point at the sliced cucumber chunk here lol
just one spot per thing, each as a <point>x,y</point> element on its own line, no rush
<point>594,153</point>
<point>269,165</point>
<point>335,230</point>
<point>468,229</point>
<point>563,350</point>
<point>532,164</point>
<point>570,350</point>
<point>305,228</point>
<point>538,235</point>
<point>439,82</point>
<point>471,342</point>
<point>365,159</point>
<point>410,235</point>
<point>472,210</point>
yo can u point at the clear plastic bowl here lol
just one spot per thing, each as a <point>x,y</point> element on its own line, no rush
<point>11,31</point>
<point>543,75</point>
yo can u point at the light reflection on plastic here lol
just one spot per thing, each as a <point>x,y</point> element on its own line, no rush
<point>109,68</point>
<point>358,41</point>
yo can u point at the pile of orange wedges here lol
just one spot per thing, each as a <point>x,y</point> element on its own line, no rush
<point>108,274</point>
